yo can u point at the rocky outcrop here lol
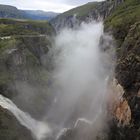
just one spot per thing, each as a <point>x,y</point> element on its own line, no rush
<point>124,25</point>
<point>118,106</point>
<point>19,54</point>
<point>10,129</point>
<point>23,73</point>
<point>82,130</point>
<point>129,61</point>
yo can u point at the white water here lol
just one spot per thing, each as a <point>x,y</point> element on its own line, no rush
<point>38,129</point>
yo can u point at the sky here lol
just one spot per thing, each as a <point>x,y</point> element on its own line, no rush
<point>46,5</point>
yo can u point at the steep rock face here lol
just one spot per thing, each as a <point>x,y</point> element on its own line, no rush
<point>124,25</point>
<point>10,129</point>
<point>24,67</point>
<point>22,73</point>
<point>126,31</point>
<point>128,67</point>
<point>86,13</point>
<point>118,106</point>
<point>19,54</point>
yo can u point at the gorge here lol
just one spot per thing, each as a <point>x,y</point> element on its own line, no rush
<point>79,81</point>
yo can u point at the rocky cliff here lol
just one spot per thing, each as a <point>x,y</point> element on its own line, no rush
<point>124,25</point>
<point>88,12</point>
<point>23,44</point>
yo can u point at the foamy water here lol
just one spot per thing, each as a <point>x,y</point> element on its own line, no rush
<point>38,129</point>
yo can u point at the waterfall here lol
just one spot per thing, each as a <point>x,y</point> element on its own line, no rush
<point>80,58</point>
<point>38,129</point>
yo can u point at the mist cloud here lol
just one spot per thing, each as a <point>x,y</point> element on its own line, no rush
<point>80,76</point>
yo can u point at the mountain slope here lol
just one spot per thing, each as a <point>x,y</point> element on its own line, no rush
<point>87,12</point>
<point>7,11</point>
<point>39,15</point>
<point>124,23</point>
<point>125,26</point>
<point>81,10</point>
<point>69,18</point>
<point>23,43</point>
<point>10,27</point>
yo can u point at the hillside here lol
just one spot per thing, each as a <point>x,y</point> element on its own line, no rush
<point>39,15</point>
<point>7,11</point>
<point>18,36</point>
<point>69,18</point>
<point>87,12</point>
<point>80,11</point>
<point>23,44</point>
<point>20,27</point>
<point>124,23</point>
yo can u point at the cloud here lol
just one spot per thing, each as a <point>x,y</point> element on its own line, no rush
<point>47,5</point>
<point>79,2</point>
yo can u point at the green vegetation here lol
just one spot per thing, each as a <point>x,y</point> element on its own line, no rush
<point>21,49</point>
<point>22,44</point>
<point>10,27</point>
<point>6,43</point>
<point>5,46</point>
<point>81,10</point>
<point>125,25</point>
<point>126,14</point>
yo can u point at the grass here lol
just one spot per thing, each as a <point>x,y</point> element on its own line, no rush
<point>123,18</point>
<point>124,23</point>
<point>10,27</point>
<point>80,11</point>
<point>5,44</point>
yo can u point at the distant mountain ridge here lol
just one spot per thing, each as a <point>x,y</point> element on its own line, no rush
<point>7,11</point>
<point>39,14</point>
